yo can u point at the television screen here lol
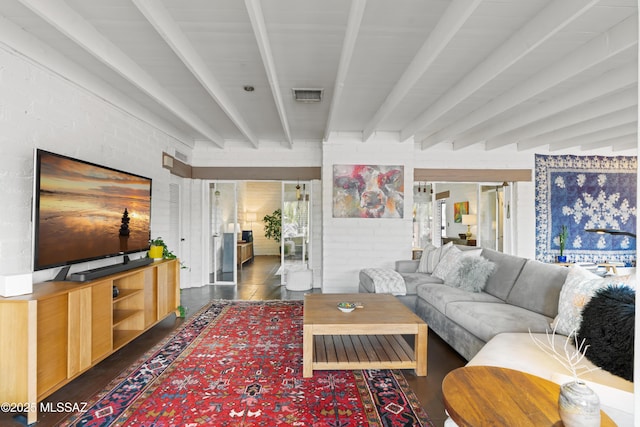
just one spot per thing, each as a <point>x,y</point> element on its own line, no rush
<point>84,211</point>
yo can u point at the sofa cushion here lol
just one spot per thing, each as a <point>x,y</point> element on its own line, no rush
<point>448,262</point>
<point>423,265</point>
<point>538,287</point>
<point>471,273</point>
<point>433,258</point>
<point>508,268</point>
<point>413,280</point>
<point>577,291</point>
<point>439,296</point>
<point>608,325</point>
<point>519,351</point>
<point>485,320</point>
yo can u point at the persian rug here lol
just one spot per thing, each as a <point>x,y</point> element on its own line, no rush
<point>585,192</point>
<point>240,364</point>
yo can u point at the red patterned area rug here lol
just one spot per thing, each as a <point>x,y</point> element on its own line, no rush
<point>240,364</point>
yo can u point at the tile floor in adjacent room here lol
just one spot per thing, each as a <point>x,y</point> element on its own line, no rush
<point>256,281</point>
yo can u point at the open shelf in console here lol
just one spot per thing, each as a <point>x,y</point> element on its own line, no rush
<point>128,308</point>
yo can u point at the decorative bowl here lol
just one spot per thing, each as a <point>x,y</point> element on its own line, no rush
<point>346,307</point>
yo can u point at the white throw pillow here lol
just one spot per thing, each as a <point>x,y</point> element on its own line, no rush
<point>434,257</point>
<point>577,290</point>
<point>471,273</point>
<point>424,258</point>
<point>447,263</point>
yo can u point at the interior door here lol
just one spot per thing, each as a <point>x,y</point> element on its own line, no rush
<point>224,231</point>
<point>491,218</point>
<point>296,226</point>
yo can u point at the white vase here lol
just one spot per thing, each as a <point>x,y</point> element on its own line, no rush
<point>579,406</point>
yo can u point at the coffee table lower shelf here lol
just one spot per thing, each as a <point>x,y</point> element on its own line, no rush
<point>362,352</point>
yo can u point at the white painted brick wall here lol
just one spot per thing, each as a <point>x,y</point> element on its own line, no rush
<point>350,244</point>
<point>39,109</point>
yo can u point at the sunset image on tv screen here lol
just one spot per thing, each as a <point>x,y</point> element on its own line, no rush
<point>87,211</point>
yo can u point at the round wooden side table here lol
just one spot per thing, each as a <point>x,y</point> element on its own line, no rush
<point>490,396</point>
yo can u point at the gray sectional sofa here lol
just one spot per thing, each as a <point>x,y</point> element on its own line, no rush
<point>492,327</point>
<point>520,295</point>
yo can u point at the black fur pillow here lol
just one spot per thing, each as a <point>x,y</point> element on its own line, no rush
<point>608,322</point>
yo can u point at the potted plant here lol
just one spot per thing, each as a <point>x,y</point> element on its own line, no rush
<point>273,225</point>
<point>562,241</point>
<point>159,250</point>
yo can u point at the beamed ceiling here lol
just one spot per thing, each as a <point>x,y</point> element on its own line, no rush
<point>556,73</point>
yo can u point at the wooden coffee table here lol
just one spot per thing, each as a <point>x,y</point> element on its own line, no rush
<point>492,396</point>
<point>367,338</point>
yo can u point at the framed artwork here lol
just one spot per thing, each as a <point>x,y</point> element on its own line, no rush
<point>368,191</point>
<point>459,209</point>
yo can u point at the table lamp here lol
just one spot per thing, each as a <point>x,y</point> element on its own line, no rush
<point>469,220</point>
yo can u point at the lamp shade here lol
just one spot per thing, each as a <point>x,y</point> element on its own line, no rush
<point>469,219</point>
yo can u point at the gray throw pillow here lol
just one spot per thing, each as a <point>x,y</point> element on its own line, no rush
<point>471,274</point>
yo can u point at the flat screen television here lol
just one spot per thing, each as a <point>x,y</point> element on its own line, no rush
<point>84,211</point>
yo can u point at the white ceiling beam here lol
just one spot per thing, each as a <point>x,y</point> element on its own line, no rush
<point>541,28</point>
<point>17,41</point>
<point>75,27</point>
<point>616,118</point>
<point>598,133</point>
<point>447,27</point>
<point>615,41</point>
<point>161,20</point>
<point>582,114</point>
<point>264,45</point>
<point>612,81</point>
<point>623,142</point>
<point>599,137</point>
<point>348,46</point>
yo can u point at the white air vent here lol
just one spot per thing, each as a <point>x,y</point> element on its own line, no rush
<point>307,95</point>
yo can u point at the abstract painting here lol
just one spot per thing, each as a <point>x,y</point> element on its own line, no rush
<point>459,209</point>
<point>368,191</point>
<point>584,192</point>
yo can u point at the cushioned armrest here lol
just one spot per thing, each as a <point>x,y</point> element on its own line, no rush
<point>407,265</point>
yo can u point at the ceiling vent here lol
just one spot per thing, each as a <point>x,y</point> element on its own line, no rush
<point>308,95</point>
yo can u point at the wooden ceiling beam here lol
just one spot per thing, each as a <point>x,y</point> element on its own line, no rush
<point>581,116</point>
<point>613,81</point>
<point>456,15</point>
<point>161,20</point>
<point>611,43</point>
<point>66,20</point>
<point>348,47</point>
<point>572,134</point>
<point>624,142</point>
<point>540,29</point>
<point>586,139</point>
<point>264,45</point>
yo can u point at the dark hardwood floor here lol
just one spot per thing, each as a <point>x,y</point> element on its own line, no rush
<point>256,281</point>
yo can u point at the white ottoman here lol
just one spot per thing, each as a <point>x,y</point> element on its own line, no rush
<point>298,280</point>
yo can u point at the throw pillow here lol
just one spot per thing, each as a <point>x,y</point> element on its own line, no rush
<point>607,327</point>
<point>434,257</point>
<point>424,258</point>
<point>447,263</point>
<point>578,288</point>
<point>471,273</point>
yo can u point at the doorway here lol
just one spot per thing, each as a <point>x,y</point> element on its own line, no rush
<point>269,220</point>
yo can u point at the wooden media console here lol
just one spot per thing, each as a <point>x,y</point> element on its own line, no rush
<point>62,329</point>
